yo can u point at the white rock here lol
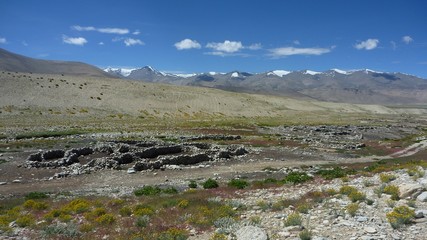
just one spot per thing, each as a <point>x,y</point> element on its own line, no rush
<point>252,233</point>
<point>16,181</point>
<point>407,190</point>
<point>131,170</point>
<point>422,197</point>
<point>370,230</point>
<point>3,183</point>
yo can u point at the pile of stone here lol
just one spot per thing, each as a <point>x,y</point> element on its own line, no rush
<point>134,155</point>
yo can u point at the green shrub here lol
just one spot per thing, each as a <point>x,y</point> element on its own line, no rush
<point>329,174</point>
<point>357,196</point>
<point>141,210</point>
<point>147,191</point>
<point>78,205</point>
<point>183,203</point>
<point>61,231</point>
<point>36,195</point>
<point>352,209</point>
<point>218,236</point>
<point>386,178</point>
<point>297,177</point>
<point>125,211</point>
<point>192,184</point>
<point>347,190</point>
<point>400,216</point>
<point>170,190</point>
<point>25,220</point>
<point>393,191</point>
<point>238,183</point>
<point>303,208</point>
<point>210,183</point>
<point>142,221</point>
<point>305,234</point>
<point>294,219</point>
<point>106,219</point>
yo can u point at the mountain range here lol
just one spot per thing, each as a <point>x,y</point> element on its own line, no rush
<point>356,86</point>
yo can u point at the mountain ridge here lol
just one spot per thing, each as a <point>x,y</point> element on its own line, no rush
<point>364,86</point>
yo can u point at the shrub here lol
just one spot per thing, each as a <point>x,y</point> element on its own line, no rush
<point>99,212</point>
<point>106,219</point>
<point>393,191</point>
<point>305,234</point>
<point>331,192</point>
<point>183,203</point>
<point>192,184</point>
<point>36,195</point>
<point>386,178</point>
<point>352,209</point>
<point>210,183</point>
<point>357,196</point>
<point>125,211</point>
<point>143,210</point>
<point>79,205</point>
<point>303,208</point>
<point>238,183</point>
<point>347,190</point>
<point>293,219</point>
<point>369,202</point>
<point>400,216</point>
<point>218,236</point>
<point>329,174</point>
<point>147,191</point>
<point>297,177</point>
<point>173,234</point>
<point>64,230</point>
<point>25,220</point>
<point>170,190</point>
<point>142,221</point>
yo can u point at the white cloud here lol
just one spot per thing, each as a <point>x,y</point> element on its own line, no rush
<point>75,41</point>
<point>25,43</point>
<point>407,39</point>
<point>102,30</point>
<point>132,41</point>
<point>296,42</point>
<point>3,40</point>
<point>226,47</point>
<point>187,44</point>
<point>255,46</point>
<point>289,51</point>
<point>136,32</point>
<point>101,43</point>
<point>393,45</point>
<point>368,44</point>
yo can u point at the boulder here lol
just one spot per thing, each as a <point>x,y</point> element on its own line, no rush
<point>36,157</point>
<point>53,154</point>
<point>251,233</point>
<point>410,190</point>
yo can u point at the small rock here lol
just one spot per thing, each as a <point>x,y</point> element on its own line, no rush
<point>16,181</point>
<point>284,234</point>
<point>131,171</point>
<point>362,219</point>
<point>410,189</point>
<point>251,232</point>
<point>422,197</point>
<point>370,230</point>
<point>3,183</point>
<point>420,213</point>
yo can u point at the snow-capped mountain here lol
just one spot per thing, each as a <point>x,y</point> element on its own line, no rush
<point>353,86</point>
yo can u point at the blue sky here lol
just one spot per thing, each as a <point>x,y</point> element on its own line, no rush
<point>198,36</point>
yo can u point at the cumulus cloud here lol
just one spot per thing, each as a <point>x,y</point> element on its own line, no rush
<point>369,44</point>
<point>136,32</point>
<point>407,39</point>
<point>289,51</point>
<point>255,46</point>
<point>74,41</point>
<point>226,47</point>
<point>101,30</point>
<point>3,40</point>
<point>296,42</point>
<point>187,44</point>
<point>131,41</point>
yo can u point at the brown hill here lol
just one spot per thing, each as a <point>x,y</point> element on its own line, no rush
<point>17,63</point>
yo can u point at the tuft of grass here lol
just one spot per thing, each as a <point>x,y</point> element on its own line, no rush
<point>36,195</point>
<point>106,219</point>
<point>386,178</point>
<point>305,234</point>
<point>147,191</point>
<point>294,219</point>
<point>192,184</point>
<point>47,134</point>
<point>336,172</point>
<point>393,191</point>
<point>352,209</point>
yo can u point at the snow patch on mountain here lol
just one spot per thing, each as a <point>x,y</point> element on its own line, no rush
<point>311,72</point>
<point>279,73</point>
<point>122,71</point>
<point>235,74</point>
<point>340,71</point>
